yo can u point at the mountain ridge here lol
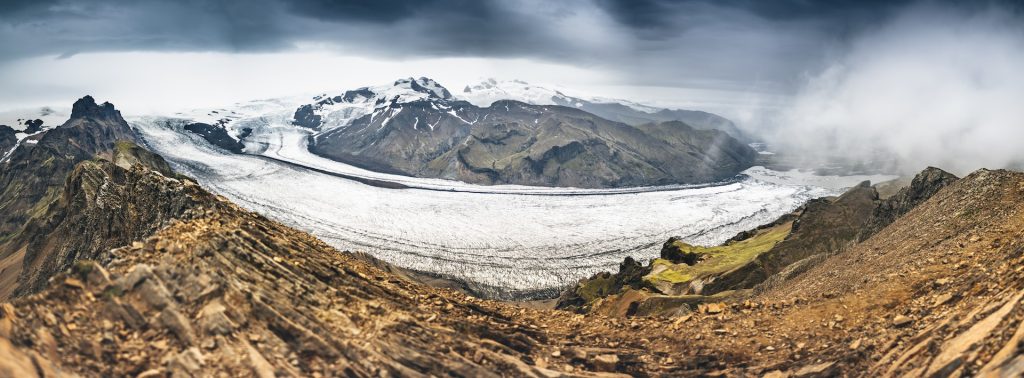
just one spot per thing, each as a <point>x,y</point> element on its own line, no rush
<point>428,133</point>
<point>488,91</point>
<point>205,286</point>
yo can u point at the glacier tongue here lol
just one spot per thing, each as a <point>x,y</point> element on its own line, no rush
<point>502,242</point>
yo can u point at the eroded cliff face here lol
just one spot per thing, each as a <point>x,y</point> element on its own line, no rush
<point>7,140</point>
<point>34,174</point>
<point>103,206</point>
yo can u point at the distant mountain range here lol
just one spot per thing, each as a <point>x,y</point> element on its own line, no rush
<point>488,91</point>
<point>417,127</point>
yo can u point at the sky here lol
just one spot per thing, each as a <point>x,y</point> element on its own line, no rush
<point>152,53</point>
<point>838,73</point>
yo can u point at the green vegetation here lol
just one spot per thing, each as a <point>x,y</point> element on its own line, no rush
<point>597,287</point>
<point>718,259</point>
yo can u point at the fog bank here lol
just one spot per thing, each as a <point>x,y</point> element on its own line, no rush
<point>935,86</point>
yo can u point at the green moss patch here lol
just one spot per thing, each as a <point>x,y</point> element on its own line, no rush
<point>717,259</point>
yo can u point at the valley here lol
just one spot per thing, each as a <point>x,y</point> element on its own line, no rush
<point>511,188</point>
<point>499,241</point>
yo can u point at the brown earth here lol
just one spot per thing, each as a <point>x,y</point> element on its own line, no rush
<point>231,291</point>
<point>220,291</point>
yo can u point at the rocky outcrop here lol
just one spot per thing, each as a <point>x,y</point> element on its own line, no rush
<point>672,252</point>
<point>825,226</point>
<point>306,117</point>
<point>580,297</point>
<point>90,216</point>
<point>516,143</point>
<point>91,131</point>
<point>8,140</point>
<point>33,126</point>
<point>216,135</point>
<point>921,188</point>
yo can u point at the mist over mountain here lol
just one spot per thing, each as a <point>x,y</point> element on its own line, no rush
<point>644,188</point>
<point>935,86</point>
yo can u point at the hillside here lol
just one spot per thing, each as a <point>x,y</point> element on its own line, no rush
<point>416,128</point>
<point>487,92</point>
<point>181,282</point>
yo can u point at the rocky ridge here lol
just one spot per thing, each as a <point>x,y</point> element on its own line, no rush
<point>230,291</point>
<point>416,128</point>
<point>686,276</point>
<point>8,140</point>
<point>92,130</point>
<point>217,290</point>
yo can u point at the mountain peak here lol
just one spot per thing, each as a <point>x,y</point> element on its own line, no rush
<point>425,85</point>
<point>86,107</point>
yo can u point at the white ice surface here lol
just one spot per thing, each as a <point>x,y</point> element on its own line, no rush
<point>488,91</point>
<point>503,240</point>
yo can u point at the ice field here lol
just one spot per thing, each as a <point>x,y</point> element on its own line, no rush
<point>502,241</point>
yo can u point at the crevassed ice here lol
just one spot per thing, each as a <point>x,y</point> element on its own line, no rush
<point>504,241</point>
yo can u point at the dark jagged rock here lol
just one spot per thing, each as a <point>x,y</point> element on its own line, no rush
<point>88,218</point>
<point>86,107</point>
<point>630,275</point>
<point>33,126</point>
<point>91,131</point>
<point>217,136</point>
<point>670,251</point>
<point>305,117</point>
<point>922,187</point>
<point>8,139</point>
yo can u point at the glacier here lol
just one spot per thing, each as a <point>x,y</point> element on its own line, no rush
<point>505,242</point>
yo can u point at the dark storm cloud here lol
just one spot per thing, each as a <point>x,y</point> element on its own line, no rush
<point>692,43</point>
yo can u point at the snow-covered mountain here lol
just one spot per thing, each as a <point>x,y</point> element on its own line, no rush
<point>330,112</point>
<point>416,127</point>
<point>488,91</point>
<point>27,126</point>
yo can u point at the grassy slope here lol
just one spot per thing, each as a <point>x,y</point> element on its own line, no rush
<point>718,259</point>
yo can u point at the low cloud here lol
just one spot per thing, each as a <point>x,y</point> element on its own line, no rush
<point>939,86</point>
<point>703,44</point>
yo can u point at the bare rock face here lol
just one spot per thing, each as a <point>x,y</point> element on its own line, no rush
<point>7,139</point>
<point>216,135</point>
<point>515,143</point>
<point>922,187</point>
<point>670,251</point>
<point>580,297</point>
<point>89,217</point>
<point>96,178</point>
<point>34,175</point>
<point>228,290</point>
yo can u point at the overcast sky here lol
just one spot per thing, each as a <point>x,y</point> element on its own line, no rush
<point>729,56</point>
